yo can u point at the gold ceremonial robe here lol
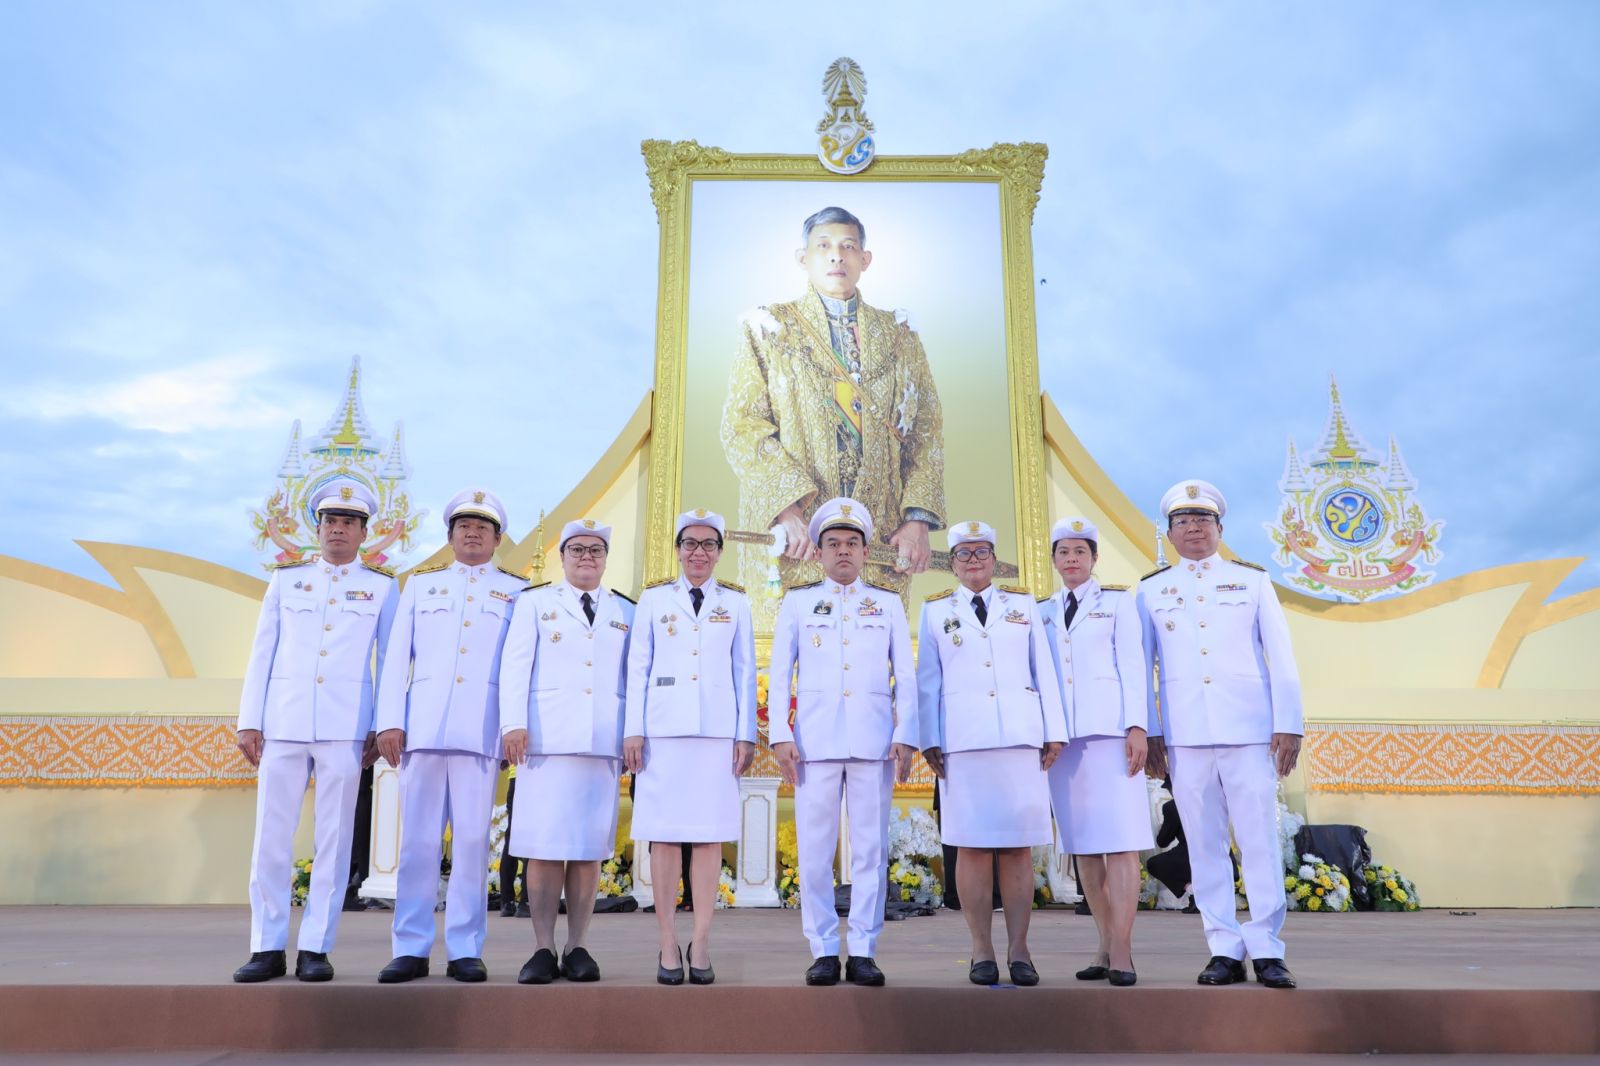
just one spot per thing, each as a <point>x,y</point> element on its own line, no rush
<point>781,431</point>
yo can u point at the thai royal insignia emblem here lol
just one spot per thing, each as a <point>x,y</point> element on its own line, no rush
<point>1351,526</point>
<point>845,143</point>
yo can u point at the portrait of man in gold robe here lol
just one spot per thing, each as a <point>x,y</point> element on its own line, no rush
<point>829,396</point>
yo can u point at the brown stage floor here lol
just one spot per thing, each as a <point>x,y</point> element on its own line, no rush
<point>158,979</point>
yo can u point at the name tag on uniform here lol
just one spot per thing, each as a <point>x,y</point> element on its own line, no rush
<point>358,594</point>
<point>1233,588</point>
<point>869,608</point>
<point>721,615</point>
<point>1100,614</point>
<point>497,594</point>
<point>1016,616</point>
<point>663,682</point>
<point>823,607</point>
<point>619,625</point>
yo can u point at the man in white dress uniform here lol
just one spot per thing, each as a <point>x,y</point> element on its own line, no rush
<point>306,709</point>
<point>563,678</point>
<point>845,646</point>
<point>439,722</point>
<point>1229,697</point>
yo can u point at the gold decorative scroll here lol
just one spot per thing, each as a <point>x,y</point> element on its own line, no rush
<point>1541,760</point>
<point>134,751</point>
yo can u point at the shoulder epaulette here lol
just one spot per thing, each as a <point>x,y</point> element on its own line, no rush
<point>536,585</point>
<point>518,574</point>
<point>1253,566</point>
<point>431,569</point>
<point>386,571</point>
<point>797,588</point>
<point>1113,588</point>
<point>658,584</point>
<point>625,596</point>
<point>1016,590</point>
<point>1044,599</point>
<point>286,564</point>
<point>881,588</point>
<point>730,585</point>
<point>940,595</point>
<point>1157,570</point>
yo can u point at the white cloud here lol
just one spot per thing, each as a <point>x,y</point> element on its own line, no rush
<point>217,394</point>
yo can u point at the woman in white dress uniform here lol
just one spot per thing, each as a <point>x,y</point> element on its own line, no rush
<point>1101,804</point>
<point>992,727</point>
<point>563,673</point>
<point>690,731</point>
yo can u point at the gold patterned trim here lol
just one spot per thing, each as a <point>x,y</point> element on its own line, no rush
<point>1543,760</point>
<point>121,752</point>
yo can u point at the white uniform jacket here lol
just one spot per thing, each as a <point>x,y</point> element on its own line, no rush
<point>310,671</point>
<point>692,676</point>
<point>1105,678</point>
<point>563,679</point>
<point>848,650</point>
<point>447,636</point>
<point>1216,634</point>
<point>986,685</point>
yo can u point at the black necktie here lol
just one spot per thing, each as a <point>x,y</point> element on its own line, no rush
<point>1072,608</point>
<point>697,597</point>
<point>980,610</point>
<point>588,608</point>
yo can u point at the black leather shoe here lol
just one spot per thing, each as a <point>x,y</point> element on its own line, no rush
<point>1023,974</point>
<point>313,966</point>
<point>1273,973</point>
<point>1081,907</point>
<point>469,971</point>
<point>541,969</point>
<point>984,973</point>
<point>579,965</point>
<point>403,968</point>
<point>263,966</point>
<point>697,976</point>
<point>1092,973</point>
<point>508,909</point>
<point>1122,978</point>
<point>861,970</point>
<point>522,910</point>
<point>1221,970</point>
<point>825,971</point>
<point>665,976</point>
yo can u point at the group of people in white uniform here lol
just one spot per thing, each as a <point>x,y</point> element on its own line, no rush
<point>1039,719</point>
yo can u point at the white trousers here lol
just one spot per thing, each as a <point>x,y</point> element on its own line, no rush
<point>286,767</point>
<point>1236,784</point>
<point>438,787</point>
<point>866,789</point>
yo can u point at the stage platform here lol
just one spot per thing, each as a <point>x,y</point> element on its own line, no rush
<point>157,979</point>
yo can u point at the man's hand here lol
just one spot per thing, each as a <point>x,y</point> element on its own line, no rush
<point>1155,763</point>
<point>250,742</point>
<point>744,753</point>
<point>515,745</point>
<point>633,754</point>
<point>1137,748</point>
<point>903,756</point>
<point>799,544</point>
<point>391,744</point>
<point>369,750</point>
<point>935,760</point>
<point>910,541</point>
<point>1049,754</point>
<point>788,757</point>
<point>1285,752</point>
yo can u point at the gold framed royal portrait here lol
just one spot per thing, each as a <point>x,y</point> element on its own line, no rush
<point>915,389</point>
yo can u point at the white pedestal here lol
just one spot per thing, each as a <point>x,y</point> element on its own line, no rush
<point>756,874</point>
<point>385,855</point>
<point>844,843</point>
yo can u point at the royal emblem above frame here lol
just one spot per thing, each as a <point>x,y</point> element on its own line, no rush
<point>929,372</point>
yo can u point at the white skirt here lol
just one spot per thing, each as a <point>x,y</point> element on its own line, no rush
<point>994,798</point>
<point>566,808</point>
<point>686,792</point>
<point>1099,809</point>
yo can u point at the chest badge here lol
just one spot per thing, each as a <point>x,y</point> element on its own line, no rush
<point>358,594</point>
<point>869,608</point>
<point>618,624</point>
<point>1016,616</point>
<point>555,638</point>
<point>955,638</point>
<point>672,630</point>
<point>305,586</point>
<point>952,623</point>
<point>823,607</point>
<point>721,615</point>
<point>504,596</point>
<point>1171,625</point>
<point>816,640</point>
<point>1233,588</point>
<point>548,616</point>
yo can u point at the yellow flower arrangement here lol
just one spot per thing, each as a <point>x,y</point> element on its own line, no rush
<point>1316,885</point>
<point>1390,890</point>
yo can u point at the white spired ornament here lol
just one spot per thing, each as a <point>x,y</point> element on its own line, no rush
<point>1351,526</point>
<point>845,144</point>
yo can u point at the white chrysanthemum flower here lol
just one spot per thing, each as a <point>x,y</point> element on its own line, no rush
<point>902,317</point>
<point>761,322</point>
<point>1306,873</point>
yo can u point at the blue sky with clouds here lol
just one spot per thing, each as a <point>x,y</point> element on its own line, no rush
<point>206,209</point>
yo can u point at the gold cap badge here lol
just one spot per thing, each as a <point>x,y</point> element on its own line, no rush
<point>588,523</point>
<point>1193,491</point>
<point>346,493</point>
<point>477,497</point>
<point>844,509</point>
<point>1077,527</point>
<point>972,527</point>
<point>699,512</point>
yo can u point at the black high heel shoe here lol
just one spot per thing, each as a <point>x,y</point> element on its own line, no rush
<point>697,976</point>
<point>665,976</point>
<point>1095,972</point>
<point>1122,978</point>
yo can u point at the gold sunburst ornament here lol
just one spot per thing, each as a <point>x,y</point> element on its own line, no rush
<point>845,143</point>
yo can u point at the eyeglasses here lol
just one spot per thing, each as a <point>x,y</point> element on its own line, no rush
<point>593,551</point>
<point>710,547</point>
<point>981,554</point>
<point>1192,520</point>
